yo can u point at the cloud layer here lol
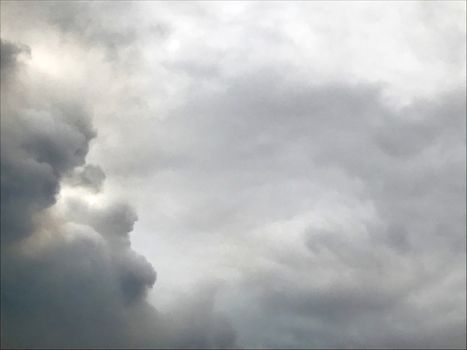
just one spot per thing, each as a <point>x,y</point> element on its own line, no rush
<point>297,172</point>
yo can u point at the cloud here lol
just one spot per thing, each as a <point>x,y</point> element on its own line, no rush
<point>310,160</point>
<point>89,176</point>
<point>99,25</point>
<point>38,148</point>
<point>10,55</point>
<point>71,280</point>
<point>359,276</point>
<point>331,205</point>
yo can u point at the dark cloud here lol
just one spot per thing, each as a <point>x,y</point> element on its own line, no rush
<point>37,148</point>
<point>89,176</point>
<point>72,280</point>
<point>9,56</point>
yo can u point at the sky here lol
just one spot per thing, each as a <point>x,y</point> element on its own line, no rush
<point>233,174</point>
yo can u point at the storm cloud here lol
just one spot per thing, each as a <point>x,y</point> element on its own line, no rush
<point>70,279</point>
<point>295,173</point>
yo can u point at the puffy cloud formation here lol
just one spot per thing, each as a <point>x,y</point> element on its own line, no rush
<point>298,173</point>
<point>38,147</point>
<point>70,278</point>
<point>90,176</point>
<point>367,256</point>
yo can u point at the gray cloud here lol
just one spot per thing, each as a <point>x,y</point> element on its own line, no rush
<point>73,280</point>
<point>249,150</point>
<point>9,57</point>
<point>38,148</point>
<point>100,25</point>
<point>89,176</point>
<point>327,198</point>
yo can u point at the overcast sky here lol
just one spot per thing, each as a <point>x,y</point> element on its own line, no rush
<point>233,174</point>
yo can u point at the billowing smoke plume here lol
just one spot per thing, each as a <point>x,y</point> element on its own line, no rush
<point>69,277</point>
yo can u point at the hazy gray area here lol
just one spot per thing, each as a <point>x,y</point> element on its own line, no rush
<point>233,174</point>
